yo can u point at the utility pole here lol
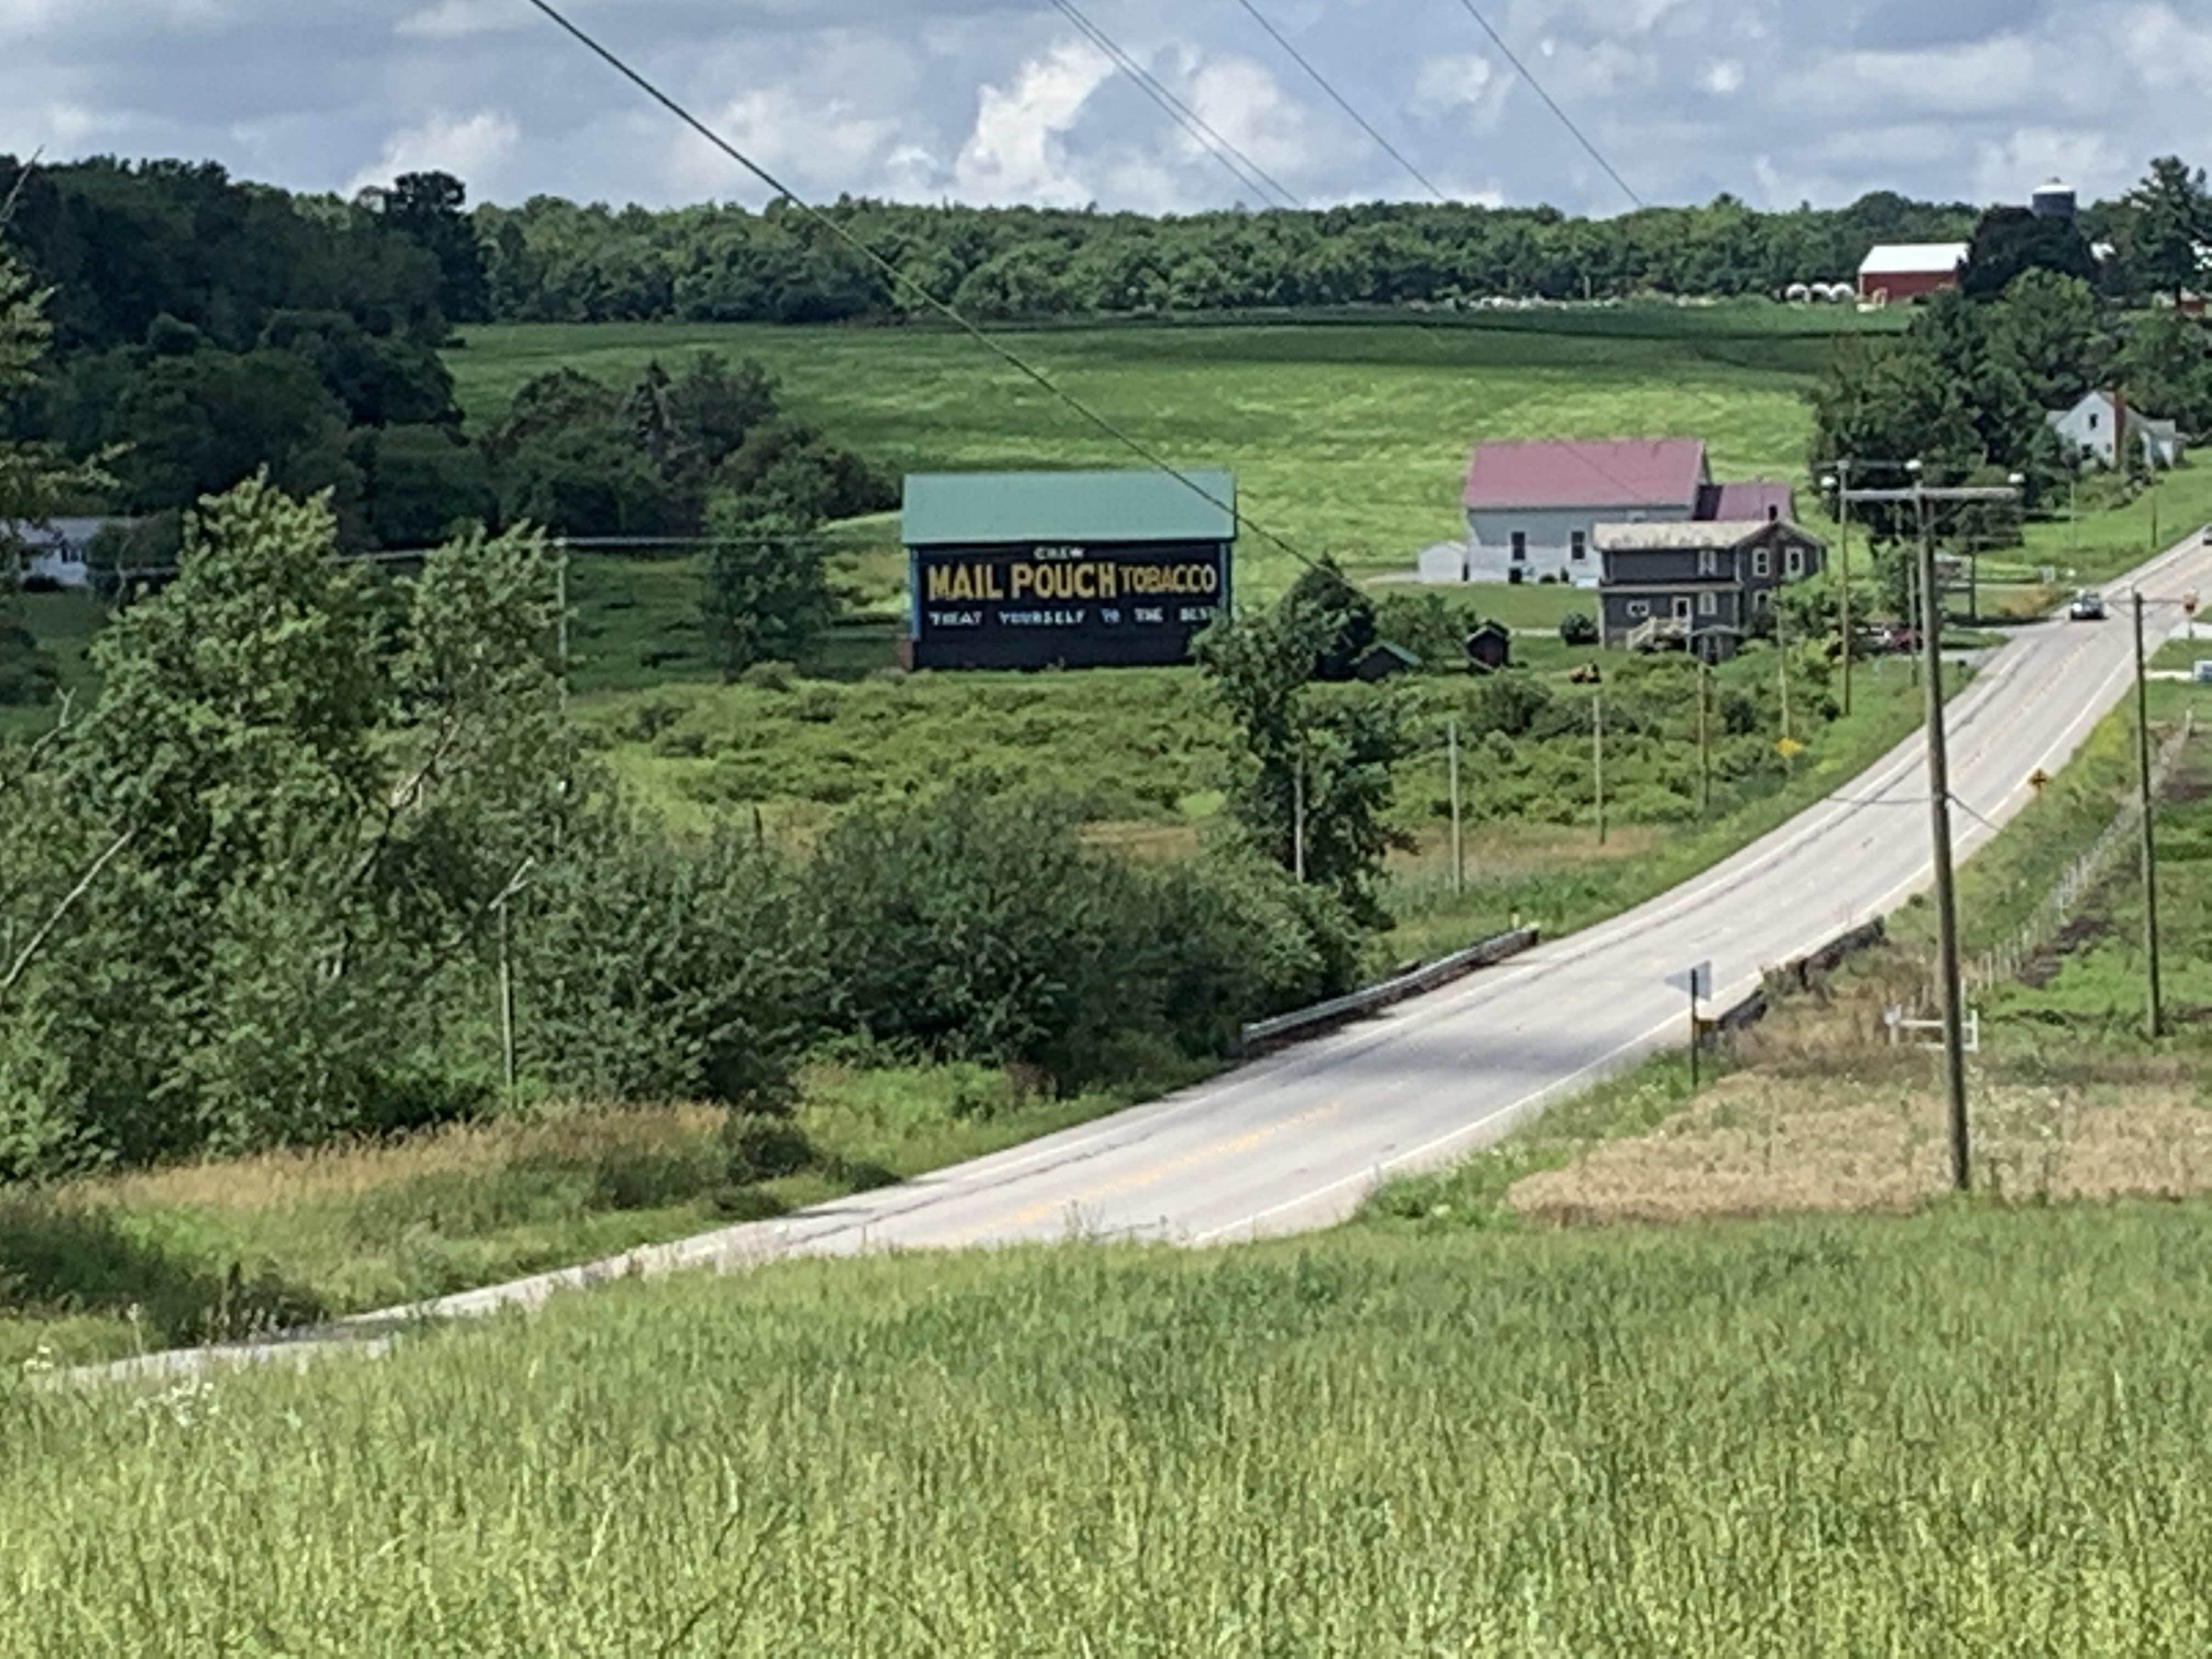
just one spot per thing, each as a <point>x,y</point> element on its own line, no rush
<point>1837,477</point>
<point>1939,800</point>
<point>1782,669</point>
<point>1841,483</point>
<point>1458,856</point>
<point>1597,758</point>
<point>2155,1020</point>
<point>1704,736</point>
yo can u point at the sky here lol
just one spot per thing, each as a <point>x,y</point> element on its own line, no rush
<point>1774,101</point>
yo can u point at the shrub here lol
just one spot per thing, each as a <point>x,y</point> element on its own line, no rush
<point>1578,628</point>
<point>765,1147</point>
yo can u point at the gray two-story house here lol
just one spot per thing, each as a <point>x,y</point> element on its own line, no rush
<point>1698,587</point>
<point>1533,508</point>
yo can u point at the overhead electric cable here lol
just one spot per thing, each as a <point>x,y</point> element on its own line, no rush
<point>1013,360</point>
<point>1551,104</point>
<point>1342,102</point>
<point>1190,120</point>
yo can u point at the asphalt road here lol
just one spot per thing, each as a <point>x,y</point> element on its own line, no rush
<point>1295,1141</point>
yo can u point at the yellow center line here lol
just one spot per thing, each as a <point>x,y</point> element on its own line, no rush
<point>1031,1215</point>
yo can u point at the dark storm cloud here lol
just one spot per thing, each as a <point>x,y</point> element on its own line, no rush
<point>1771,100</point>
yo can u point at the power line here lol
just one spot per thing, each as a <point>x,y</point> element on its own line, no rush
<point>1238,163</point>
<point>900,279</point>
<point>1342,103</point>
<point>1551,104</point>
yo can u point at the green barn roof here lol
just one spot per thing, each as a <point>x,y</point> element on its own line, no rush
<point>954,510</point>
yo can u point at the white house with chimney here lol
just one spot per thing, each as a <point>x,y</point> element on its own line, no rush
<point>2101,427</point>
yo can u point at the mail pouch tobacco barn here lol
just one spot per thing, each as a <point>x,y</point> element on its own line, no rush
<point>1065,569</point>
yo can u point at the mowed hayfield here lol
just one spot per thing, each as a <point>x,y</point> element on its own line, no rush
<point>1347,438</point>
<point>1970,1431</point>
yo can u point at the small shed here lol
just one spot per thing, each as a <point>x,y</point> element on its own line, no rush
<point>1490,647</point>
<point>1382,660</point>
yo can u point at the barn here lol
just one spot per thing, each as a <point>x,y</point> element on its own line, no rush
<point>1893,272</point>
<point>1065,569</point>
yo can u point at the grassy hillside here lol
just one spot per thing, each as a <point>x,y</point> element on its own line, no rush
<point>1970,1431</point>
<point>1347,438</point>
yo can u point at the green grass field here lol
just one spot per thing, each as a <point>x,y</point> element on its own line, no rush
<point>1971,1432</point>
<point>1348,438</point>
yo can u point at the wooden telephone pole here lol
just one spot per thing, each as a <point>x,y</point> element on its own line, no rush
<point>1939,797</point>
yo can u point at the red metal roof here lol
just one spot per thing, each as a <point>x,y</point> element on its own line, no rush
<point>1601,472</point>
<point>1754,499</point>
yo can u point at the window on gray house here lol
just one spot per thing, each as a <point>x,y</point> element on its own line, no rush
<point>1577,545</point>
<point>1760,564</point>
<point>1639,607</point>
<point>1520,547</point>
<point>1709,561</point>
<point>1709,604</point>
<point>1796,561</point>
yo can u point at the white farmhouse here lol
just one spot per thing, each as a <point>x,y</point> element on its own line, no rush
<point>2101,427</point>
<point>1531,508</point>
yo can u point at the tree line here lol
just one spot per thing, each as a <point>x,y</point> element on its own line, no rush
<point>128,244</point>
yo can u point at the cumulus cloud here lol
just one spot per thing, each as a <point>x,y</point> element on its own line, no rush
<point>471,147</point>
<point>992,101</point>
<point>1017,151</point>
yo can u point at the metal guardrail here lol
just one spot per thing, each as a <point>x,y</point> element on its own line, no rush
<point>1802,973</point>
<point>1262,1035</point>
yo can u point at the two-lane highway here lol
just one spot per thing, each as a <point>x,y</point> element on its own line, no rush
<point>1294,1141</point>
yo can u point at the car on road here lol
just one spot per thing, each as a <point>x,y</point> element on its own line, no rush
<point>2086,607</point>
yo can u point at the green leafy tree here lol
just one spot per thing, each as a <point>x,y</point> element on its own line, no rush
<point>2010,241</point>
<point>426,209</point>
<point>382,380</point>
<point>564,459</point>
<point>1321,766</point>
<point>654,968</point>
<point>198,423</point>
<point>2166,218</point>
<point>423,483</point>
<point>2165,366</point>
<point>791,467</point>
<point>2051,331</point>
<point>768,592</point>
<point>282,823</point>
<point>1347,616</point>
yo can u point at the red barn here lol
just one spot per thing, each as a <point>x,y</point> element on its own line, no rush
<point>1896,272</point>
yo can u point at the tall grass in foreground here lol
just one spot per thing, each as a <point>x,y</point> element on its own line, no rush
<point>1971,1431</point>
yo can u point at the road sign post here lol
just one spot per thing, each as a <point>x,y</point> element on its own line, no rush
<point>1698,981</point>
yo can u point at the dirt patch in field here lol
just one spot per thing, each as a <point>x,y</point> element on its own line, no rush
<point>1758,1144</point>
